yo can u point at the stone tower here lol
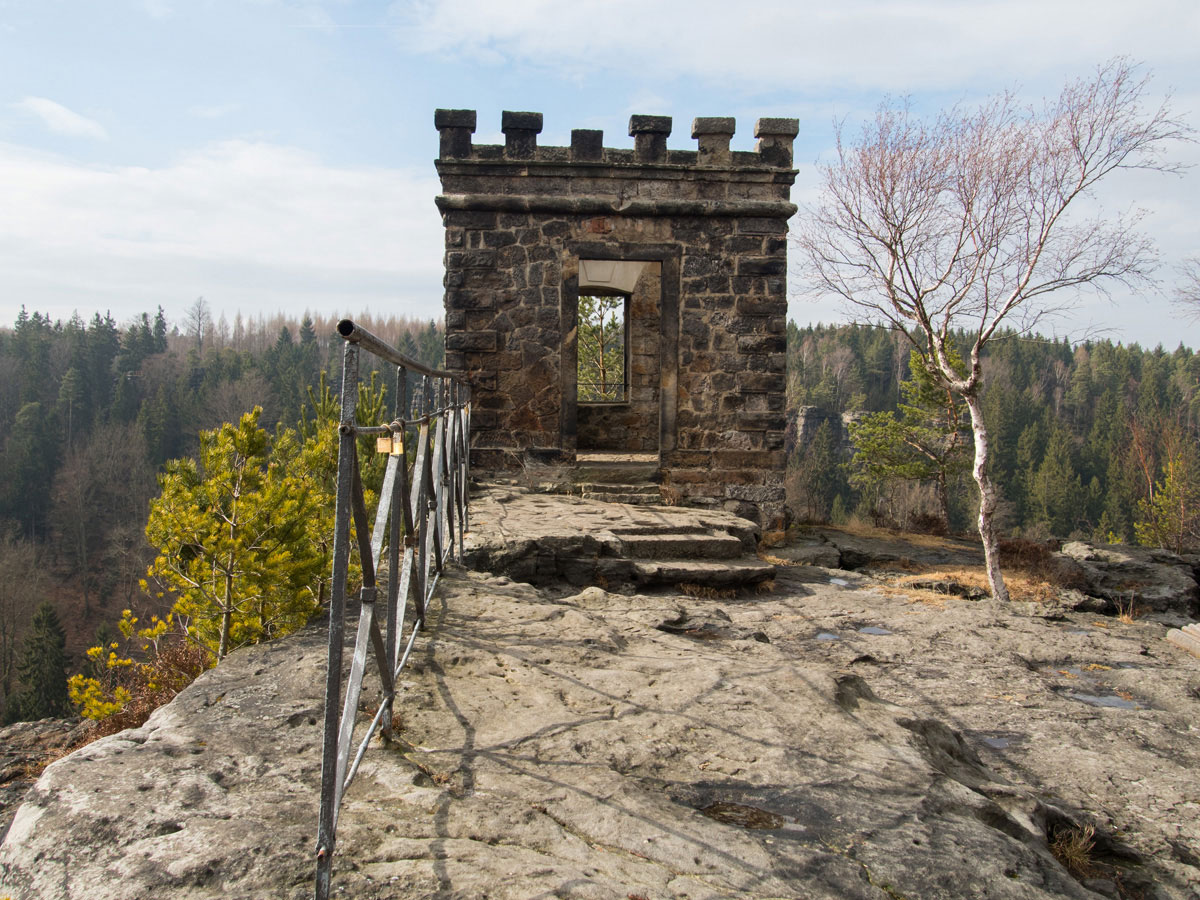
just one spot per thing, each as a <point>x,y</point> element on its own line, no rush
<point>689,248</point>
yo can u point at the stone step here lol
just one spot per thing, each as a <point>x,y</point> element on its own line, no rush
<point>730,573</point>
<point>628,499</point>
<point>681,546</point>
<point>603,488</point>
<point>663,528</point>
<point>614,473</point>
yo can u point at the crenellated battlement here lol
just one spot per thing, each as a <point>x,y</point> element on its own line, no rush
<point>692,242</point>
<point>713,134</point>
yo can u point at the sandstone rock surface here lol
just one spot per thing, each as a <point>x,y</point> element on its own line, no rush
<point>1154,580</point>
<point>24,748</point>
<point>828,740</point>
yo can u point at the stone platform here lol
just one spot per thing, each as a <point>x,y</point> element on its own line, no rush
<point>547,538</point>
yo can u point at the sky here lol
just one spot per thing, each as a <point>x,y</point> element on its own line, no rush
<point>277,155</point>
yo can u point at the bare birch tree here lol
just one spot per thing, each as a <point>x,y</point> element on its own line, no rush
<point>962,223</point>
<point>1187,292</point>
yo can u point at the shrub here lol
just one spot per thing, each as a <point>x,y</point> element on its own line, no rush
<point>121,693</point>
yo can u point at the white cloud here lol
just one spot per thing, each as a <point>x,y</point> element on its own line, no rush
<point>895,45</point>
<point>157,9</point>
<point>61,120</point>
<point>216,111</point>
<point>249,225</point>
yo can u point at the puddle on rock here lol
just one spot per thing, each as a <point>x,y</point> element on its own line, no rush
<point>840,582</point>
<point>873,629</point>
<point>826,636</point>
<point>1108,702</point>
<point>744,816</point>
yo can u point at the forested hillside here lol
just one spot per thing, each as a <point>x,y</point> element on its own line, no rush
<point>1088,439</point>
<point>91,411</point>
<point>1096,439</point>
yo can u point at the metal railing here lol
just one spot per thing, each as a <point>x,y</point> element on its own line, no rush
<point>422,515</point>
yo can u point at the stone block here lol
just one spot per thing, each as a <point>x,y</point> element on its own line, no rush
<point>775,137</point>
<point>471,340</point>
<point>761,225</point>
<point>520,133</point>
<point>497,239</point>
<point>454,118</point>
<point>689,458</point>
<point>749,459</point>
<point>762,343</point>
<point>751,265</point>
<point>587,145</point>
<point>649,135</point>
<point>713,135</point>
<point>758,306</point>
<point>462,218</point>
<point>765,382</point>
<point>455,127</point>
<point>763,421</point>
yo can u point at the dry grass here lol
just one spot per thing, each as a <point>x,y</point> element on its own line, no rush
<point>1073,848</point>
<point>916,595</point>
<point>1021,586</point>
<point>705,592</point>
<point>176,665</point>
<point>773,539</point>
<point>891,566</point>
<point>1127,609</point>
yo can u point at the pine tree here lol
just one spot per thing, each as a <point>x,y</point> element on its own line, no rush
<point>233,536</point>
<point>42,670</point>
<point>924,443</point>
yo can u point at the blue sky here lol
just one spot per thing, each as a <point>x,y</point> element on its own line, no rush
<point>278,154</point>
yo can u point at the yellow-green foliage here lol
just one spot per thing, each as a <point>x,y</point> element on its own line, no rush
<point>235,536</point>
<point>100,698</point>
<point>121,692</point>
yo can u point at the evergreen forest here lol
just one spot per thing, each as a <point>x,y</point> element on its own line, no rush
<point>98,418</point>
<point>112,433</point>
<point>1092,440</point>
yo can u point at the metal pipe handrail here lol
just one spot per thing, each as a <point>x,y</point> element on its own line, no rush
<point>422,520</point>
<point>356,334</point>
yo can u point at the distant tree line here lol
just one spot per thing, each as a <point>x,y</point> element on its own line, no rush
<point>1097,439</point>
<point>92,412</point>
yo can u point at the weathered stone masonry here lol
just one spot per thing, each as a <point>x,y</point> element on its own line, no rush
<point>703,232</point>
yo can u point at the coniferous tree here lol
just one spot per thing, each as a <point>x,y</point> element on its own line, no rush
<point>925,442</point>
<point>233,540</point>
<point>42,670</point>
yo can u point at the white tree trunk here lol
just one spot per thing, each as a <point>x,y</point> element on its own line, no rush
<point>987,501</point>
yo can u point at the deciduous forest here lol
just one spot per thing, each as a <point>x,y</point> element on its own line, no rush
<point>97,419</point>
<point>109,433</point>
